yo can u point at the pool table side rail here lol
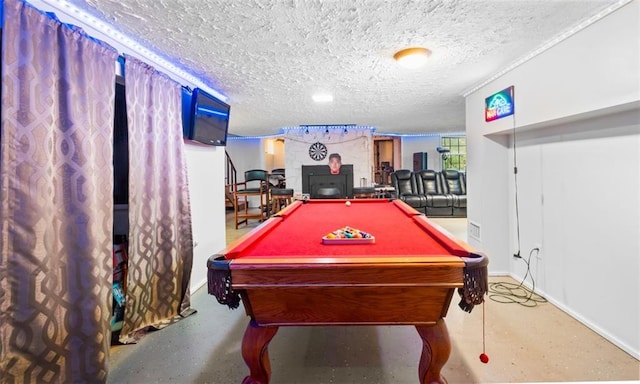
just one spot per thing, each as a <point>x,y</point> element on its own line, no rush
<point>452,244</point>
<point>449,273</point>
<point>289,209</point>
<point>404,207</point>
<point>240,244</point>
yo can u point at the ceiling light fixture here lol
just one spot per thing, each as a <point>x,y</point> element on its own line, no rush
<point>322,98</point>
<point>412,57</point>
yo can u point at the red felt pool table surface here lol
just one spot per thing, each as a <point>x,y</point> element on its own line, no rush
<point>297,232</point>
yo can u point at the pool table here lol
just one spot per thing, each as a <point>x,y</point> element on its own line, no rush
<point>286,274</point>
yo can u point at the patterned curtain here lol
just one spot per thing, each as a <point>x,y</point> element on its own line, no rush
<point>56,202</point>
<point>160,237</point>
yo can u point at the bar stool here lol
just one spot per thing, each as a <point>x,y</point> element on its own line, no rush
<point>364,192</point>
<point>280,198</point>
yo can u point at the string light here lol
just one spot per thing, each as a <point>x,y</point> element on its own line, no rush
<point>306,129</point>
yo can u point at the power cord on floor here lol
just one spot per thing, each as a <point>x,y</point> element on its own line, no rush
<point>503,292</point>
<point>509,293</point>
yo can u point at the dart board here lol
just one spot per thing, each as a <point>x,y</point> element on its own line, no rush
<point>318,151</point>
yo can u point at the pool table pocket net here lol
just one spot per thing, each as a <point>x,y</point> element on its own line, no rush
<point>476,283</point>
<point>219,283</point>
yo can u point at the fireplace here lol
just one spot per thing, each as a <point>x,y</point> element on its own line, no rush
<point>315,177</point>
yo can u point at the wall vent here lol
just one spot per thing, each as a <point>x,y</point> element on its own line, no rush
<point>474,230</point>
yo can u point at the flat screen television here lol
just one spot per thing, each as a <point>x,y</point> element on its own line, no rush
<point>205,119</point>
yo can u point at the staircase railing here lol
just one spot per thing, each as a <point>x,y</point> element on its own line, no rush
<point>230,178</point>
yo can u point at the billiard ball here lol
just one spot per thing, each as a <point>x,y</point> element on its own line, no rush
<point>348,203</point>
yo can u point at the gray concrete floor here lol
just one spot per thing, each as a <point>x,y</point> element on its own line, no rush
<point>525,344</point>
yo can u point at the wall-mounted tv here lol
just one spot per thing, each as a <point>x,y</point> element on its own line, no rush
<point>205,119</point>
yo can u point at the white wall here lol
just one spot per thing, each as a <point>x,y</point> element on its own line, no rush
<point>577,145</point>
<point>205,166</point>
<point>247,154</point>
<point>412,144</point>
<point>354,147</point>
<point>276,159</point>
<point>488,201</point>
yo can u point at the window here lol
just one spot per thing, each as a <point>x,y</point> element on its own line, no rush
<point>457,157</point>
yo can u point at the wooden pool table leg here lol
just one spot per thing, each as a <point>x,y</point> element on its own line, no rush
<point>255,344</point>
<point>436,348</point>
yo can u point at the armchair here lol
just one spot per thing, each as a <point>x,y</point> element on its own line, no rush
<point>454,185</point>
<point>438,203</point>
<point>406,189</point>
<point>277,178</point>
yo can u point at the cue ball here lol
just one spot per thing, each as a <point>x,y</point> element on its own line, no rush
<point>348,203</point>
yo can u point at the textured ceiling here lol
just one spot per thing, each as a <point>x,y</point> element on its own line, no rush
<point>268,57</point>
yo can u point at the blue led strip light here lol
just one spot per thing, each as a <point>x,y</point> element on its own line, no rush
<point>98,29</point>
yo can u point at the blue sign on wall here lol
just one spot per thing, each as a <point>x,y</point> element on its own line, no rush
<point>499,105</point>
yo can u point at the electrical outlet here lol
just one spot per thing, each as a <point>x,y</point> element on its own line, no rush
<point>539,251</point>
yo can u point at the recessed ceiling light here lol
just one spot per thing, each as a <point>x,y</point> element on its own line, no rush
<point>322,98</point>
<point>412,57</point>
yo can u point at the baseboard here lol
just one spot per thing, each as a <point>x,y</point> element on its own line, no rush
<point>614,340</point>
<point>198,285</point>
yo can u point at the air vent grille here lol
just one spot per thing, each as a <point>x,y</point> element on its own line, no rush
<point>474,230</point>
